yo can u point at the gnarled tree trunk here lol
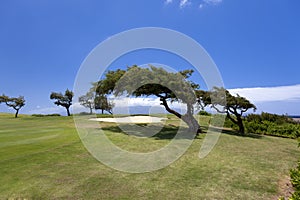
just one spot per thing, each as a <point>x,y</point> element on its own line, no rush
<point>241,125</point>
<point>239,122</point>
<point>188,118</point>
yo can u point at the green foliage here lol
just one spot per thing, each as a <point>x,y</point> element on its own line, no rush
<point>102,103</point>
<point>88,100</point>
<point>272,124</point>
<point>204,113</point>
<point>168,86</point>
<point>277,119</point>
<point>64,100</point>
<point>295,179</point>
<point>14,102</point>
<point>223,102</point>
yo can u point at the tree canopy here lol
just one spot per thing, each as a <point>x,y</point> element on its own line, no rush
<point>88,101</point>
<point>64,100</point>
<point>168,86</point>
<point>102,103</point>
<point>14,102</point>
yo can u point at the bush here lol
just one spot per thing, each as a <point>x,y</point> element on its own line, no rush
<point>271,124</point>
<point>84,113</point>
<point>295,179</point>
<point>48,115</point>
<point>203,112</point>
<point>277,119</point>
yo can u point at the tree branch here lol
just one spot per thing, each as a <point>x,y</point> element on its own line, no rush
<point>232,119</point>
<point>165,104</point>
<point>219,111</point>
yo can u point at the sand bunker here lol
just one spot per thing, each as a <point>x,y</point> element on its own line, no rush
<point>133,119</point>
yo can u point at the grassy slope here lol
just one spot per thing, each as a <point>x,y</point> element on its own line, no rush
<point>44,158</point>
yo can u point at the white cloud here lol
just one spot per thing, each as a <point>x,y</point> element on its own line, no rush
<point>184,3</point>
<point>212,2</point>
<point>47,110</point>
<point>269,94</point>
<point>139,101</point>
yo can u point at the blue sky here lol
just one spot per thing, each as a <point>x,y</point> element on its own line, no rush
<point>255,44</point>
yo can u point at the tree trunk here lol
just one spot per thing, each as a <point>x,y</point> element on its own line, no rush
<point>241,125</point>
<point>102,111</point>
<point>91,110</point>
<point>17,112</point>
<point>188,118</point>
<point>68,111</point>
<point>239,122</point>
<point>193,124</point>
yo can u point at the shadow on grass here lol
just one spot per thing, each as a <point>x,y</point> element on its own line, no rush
<point>168,132</point>
<point>235,133</point>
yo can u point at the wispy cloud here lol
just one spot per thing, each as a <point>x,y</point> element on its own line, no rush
<point>269,94</point>
<point>209,3</point>
<point>184,3</point>
<point>47,110</point>
<point>168,1</point>
<point>203,3</point>
<point>212,2</point>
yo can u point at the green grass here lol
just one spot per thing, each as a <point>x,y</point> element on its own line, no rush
<point>43,158</point>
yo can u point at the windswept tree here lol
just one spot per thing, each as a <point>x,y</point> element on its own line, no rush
<point>168,86</point>
<point>64,100</point>
<point>233,106</point>
<point>2,100</point>
<point>88,100</point>
<point>14,102</point>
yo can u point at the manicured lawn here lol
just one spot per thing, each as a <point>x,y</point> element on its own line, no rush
<point>43,158</point>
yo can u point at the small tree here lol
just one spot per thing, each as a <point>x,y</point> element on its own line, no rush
<point>231,105</point>
<point>88,101</point>
<point>14,102</point>
<point>103,104</point>
<point>63,100</point>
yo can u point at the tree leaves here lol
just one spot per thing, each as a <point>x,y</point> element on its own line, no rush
<point>64,100</point>
<point>14,102</point>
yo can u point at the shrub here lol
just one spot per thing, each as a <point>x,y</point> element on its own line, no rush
<point>277,119</point>
<point>295,179</point>
<point>203,112</point>
<point>271,124</point>
<point>48,115</point>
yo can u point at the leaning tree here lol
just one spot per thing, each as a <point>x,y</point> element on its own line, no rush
<point>64,100</point>
<point>233,106</point>
<point>167,86</point>
<point>14,102</point>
